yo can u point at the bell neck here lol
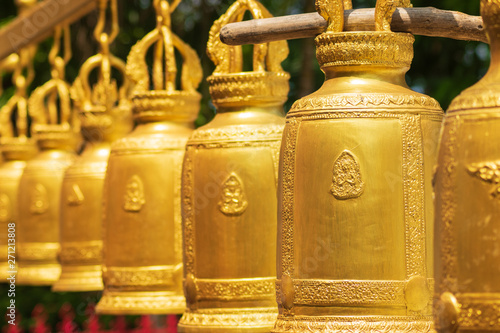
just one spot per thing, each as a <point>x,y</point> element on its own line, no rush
<point>269,109</point>
<point>383,56</point>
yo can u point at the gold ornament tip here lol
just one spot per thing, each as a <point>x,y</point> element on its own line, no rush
<point>140,303</point>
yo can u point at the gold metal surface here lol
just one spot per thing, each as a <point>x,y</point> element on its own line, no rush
<point>229,189</point>
<point>467,270</point>
<point>105,116</point>
<point>355,194</point>
<point>16,149</point>
<point>142,267</point>
<point>40,185</point>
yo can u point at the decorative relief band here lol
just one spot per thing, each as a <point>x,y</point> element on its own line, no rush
<point>414,200</point>
<point>37,251</point>
<point>96,169</point>
<point>235,289</point>
<point>249,317</point>
<point>239,133</point>
<point>147,145</point>
<point>345,292</point>
<point>355,324</point>
<point>81,252</point>
<point>488,172</point>
<point>138,276</point>
<point>364,100</point>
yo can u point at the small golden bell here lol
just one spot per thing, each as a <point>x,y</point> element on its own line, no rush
<point>40,185</point>
<point>229,189</point>
<point>142,267</point>
<point>105,116</point>
<point>467,266</point>
<point>355,191</point>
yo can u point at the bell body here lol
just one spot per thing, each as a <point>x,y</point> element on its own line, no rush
<point>39,211</point>
<point>467,266</point>
<point>142,269</point>
<point>355,194</point>
<point>81,220</point>
<point>15,152</point>
<point>229,216</point>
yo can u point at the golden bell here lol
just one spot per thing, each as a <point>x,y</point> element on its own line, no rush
<point>40,185</point>
<point>355,190</point>
<point>16,149</point>
<point>142,268</point>
<point>467,266</point>
<point>229,189</point>
<point>105,116</point>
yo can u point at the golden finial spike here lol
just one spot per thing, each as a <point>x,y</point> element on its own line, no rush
<point>333,12</point>
<point>228,59</point>
<point>384,10</point>
<point>164,65</point>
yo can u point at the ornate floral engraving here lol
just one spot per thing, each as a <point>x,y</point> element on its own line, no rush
<point>354,324</point>
<point>488,172</point>
<point>138,276</point>
<point>250,318</point>
<point>5,208</point>
<point>346,181</point>
<point>81,252</point>
<point>75,198</point>
<point>134,195</point>
<point>233,201</point>
<point>39,199</point>
<point>235,289</point>
<point>239,133</point>
<point>414,201</point>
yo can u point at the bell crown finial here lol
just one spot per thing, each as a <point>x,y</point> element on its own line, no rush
<point>490,11</point>
<point>229,86</point>
<point>104,108</point>
<point>160,98</point>
<point>50,106</point>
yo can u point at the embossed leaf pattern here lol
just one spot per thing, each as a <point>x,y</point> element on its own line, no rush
<point>488,172</point>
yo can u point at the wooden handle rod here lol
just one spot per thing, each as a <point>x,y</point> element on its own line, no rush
<point>39,22</point>
<point>426,21</point>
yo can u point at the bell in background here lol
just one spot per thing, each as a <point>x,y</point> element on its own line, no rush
<point>467,265</point>
<point>40,185</point>
<point>142,269</point>
<point>229,189</point>
<point>105,116</point>
<point>355,191</point>
<point>16,148</point>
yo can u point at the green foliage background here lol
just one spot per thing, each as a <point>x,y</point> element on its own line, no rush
<point>442,68</point>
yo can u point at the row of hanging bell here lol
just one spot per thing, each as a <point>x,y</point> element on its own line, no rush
<point>467,270</point>
<point>56,134</point>
<point>229,186</point>
<point>355,219</point>
<point>104,113</point>
<point>15,145</point>
<point>142,191</point>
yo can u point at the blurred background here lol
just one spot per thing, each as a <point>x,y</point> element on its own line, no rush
<point>442,68</point>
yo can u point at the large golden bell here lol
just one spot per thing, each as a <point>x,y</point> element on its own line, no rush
<point>467,265</point>
<point>355,190</point>
<point>40,185</point>
<point>105,116</point>
<point>142,269</point>
<point>229,189</point>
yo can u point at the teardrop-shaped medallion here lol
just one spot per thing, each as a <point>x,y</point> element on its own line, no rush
<point>134,195</point>
<point>233,201</point>
<point>346,181</point>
